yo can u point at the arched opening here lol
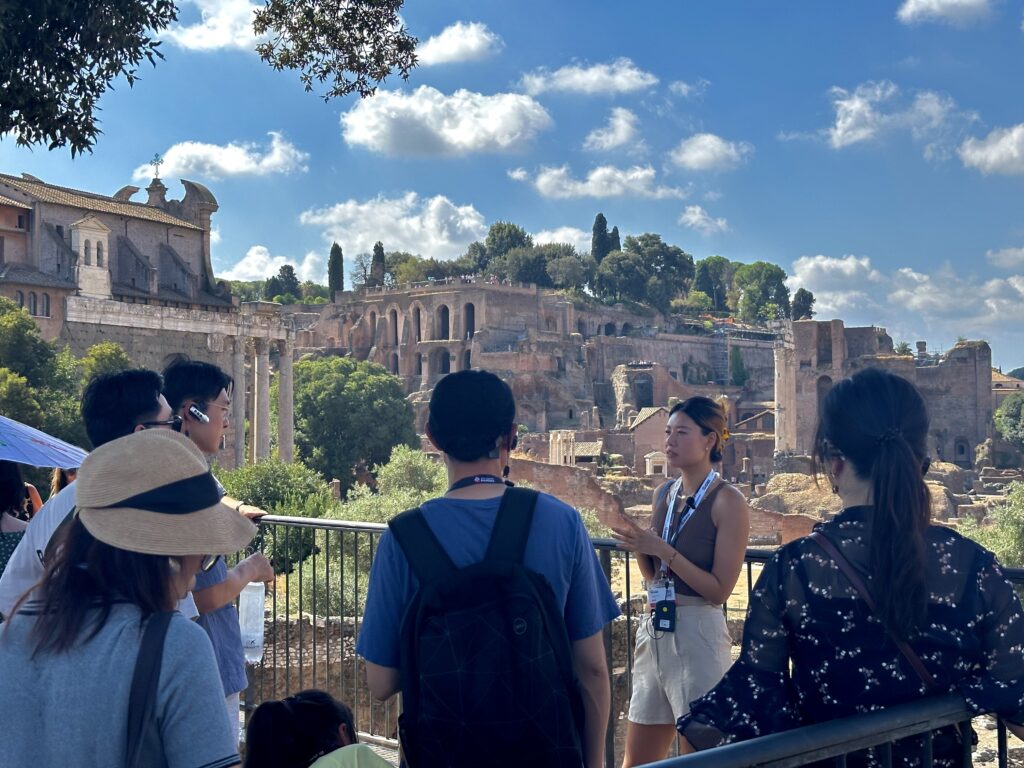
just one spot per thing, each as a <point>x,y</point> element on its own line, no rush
<point>570,413</point>
<point>417,324</point>
<point>643,390</point>
<point>466,360</point>
<point>394,327</point>
<point>823,387</point>
<point>581,327</point>
<point>88,253</point>
<point>32,305</point>
<point>470,314</point>
<point>626,329</point>
<point>440,362</point>
<point>609,329</point>
<point>419,364</point>
<point>394,363</point>
<point>373,328</point>
<point>99,254</point>
<point>550,323</point>
<point>443,326</point>
<point>46,305</point>
<point>19,297</point>
<point>961,451</point>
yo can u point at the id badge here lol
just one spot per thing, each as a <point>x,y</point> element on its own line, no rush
<point>656,591</point>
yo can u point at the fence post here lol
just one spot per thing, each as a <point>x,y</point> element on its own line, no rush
<point>609,737</point>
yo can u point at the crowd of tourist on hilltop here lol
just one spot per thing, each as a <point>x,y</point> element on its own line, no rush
<point>120,644</point>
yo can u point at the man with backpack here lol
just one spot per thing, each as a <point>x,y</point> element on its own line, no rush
<point>486,606</point>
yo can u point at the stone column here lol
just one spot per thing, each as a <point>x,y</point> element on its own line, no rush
<point>238,399</point>
<point>285,403</point>
<point>261,426</point>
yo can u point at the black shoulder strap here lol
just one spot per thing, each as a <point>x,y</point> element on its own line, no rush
<point>512,527</point>
<point>142,700</point>
<point>426,556</point>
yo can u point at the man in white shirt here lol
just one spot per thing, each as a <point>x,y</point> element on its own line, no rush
<point>113,405</point>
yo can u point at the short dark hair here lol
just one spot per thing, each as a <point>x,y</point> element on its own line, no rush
<point>709,416</point>
<point>186,379</point>
<point>12,489</point>
<point>469,411</point>
<point>296,730</point>
<point>113,404</point>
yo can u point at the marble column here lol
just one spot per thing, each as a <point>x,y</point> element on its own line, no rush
<point>285,403</point>
<point>261,427</point>
<point>238,399</point>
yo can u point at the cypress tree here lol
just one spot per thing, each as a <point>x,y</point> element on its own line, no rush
<point>335,271</point>
<point>377,265</point>
<point>599,242</point>
<point>614,244</point>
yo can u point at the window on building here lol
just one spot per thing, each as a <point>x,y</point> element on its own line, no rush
<point>99,254</point>
<point>20,298</point>
<point>32,303</point>
<point>60,231</point>
<point>21,221</point>
<point>88,253</point>
<point>46,305</point>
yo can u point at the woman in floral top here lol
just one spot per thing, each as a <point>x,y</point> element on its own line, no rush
<point>814,651</point>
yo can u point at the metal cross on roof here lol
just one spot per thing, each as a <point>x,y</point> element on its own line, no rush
<point>156,162</point>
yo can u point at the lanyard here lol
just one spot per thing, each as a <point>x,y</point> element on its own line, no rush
<point>474,480</point>
<point>692,503</point>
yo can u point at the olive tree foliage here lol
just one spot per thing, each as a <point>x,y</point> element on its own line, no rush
<point>1009,419</point>
<point>58,57</point>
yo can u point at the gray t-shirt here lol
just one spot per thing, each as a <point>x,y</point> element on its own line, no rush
<point>71,708</point>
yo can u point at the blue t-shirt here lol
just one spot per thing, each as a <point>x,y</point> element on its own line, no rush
<point>225,634</point>
<point>558,548</point>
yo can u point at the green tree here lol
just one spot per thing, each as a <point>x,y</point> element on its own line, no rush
<point>310,291</point>
<point>621,276</point>
<point>22,349</point>
<point>337,396</point>
<point>410,469</point>
<point>268,484</point>
<point>696,302</point>
<point>289,280</point>
<point>248,290</point>
<point>1009,419</point>
<point>763,292</point>
<point>272,287</point>
<point>614,243</point>
<point>599,241</point>
<point>503,236</point>
<point>803,305</point>
<point>571,270</point>
<point>102,358</point>
<point>360,276</point>
<point>669,268</point>
<point>378,265</point>
<point>737,368</point>
<point>903,349</point>
<point>60,56</point>
<point>335,271</point>
<point>1003,531</point>
<point>18,400</point>
<point>714,276</point>
<point>475,259</point>
<point>523,265</point>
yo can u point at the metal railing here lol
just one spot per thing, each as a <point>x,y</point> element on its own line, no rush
<point>323,571</point>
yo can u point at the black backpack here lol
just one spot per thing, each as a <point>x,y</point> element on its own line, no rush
<point>486,664</point>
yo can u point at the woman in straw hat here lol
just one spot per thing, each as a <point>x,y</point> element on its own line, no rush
<point>149,517</point>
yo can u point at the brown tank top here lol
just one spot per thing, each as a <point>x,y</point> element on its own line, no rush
<point>696,542</point>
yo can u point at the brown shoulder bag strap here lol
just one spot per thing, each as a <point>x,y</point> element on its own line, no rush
<point>852,576</point>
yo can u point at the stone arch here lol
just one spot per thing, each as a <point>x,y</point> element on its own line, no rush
<point>393,326</point>
<point>444,326</point>
<point>19,297</point>
<point>440,361</point>
<point>609,329</point>
<point>961,451</point>
<point>394,363</point>
<point>99,253</point>
<point>418,315</point>
<point>419,364</point>
<point>823,387</point>
<point>469,315</point>
<point>87,253</point>
<point>626,329</point>
<point>467,360</point>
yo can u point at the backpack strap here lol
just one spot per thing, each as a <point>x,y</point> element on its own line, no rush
<point>146,678</point>
<point>427,558</point>
<point>512,526</point>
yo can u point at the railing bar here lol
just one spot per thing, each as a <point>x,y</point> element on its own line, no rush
<point>327,589</point>
<point>927,761</point>
<point>287,618</point>
<point>886,750</point>
<point>609,738</point>
<point>341,589</point>
<point>355,629</point>
<point>840,761</point>
<point>1001,743</point>
<point>314,615</point>
<point>273,531</point>
<point>302,651</point>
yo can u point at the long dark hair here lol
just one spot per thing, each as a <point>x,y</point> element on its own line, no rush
<point>709,416</point>
<point>12,489</point>
<point>878,422</point>
<point>294,732</point>
<point>86,574</point>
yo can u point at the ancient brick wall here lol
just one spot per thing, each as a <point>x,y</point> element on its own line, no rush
<point>572,485</point>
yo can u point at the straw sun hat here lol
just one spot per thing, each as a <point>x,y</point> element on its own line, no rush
<point>152,492</point>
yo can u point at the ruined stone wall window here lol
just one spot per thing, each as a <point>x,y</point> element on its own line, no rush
<point>417,326</point>
<point>21,221</point>
<point>394,328</point>
<point>466,360</point>
<point>19,297</point>
<point>32,303</point>
<point>443,325</point>
<point>823,386</point>
<point>419,364</point>
<point>88,253</point>
<point>626,329</point>
<point>99,254</point>
<point>961,450</point>
<point>46,305</point>
<point>550,323</point>
<point>441,362</point>
<point>470,314</point>
<point>581,327</point>
<point>394,362</point>
<point>643,391</point>
<point>60,231</point>
<point>609,329</point>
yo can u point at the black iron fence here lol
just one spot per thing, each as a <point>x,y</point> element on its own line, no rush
<point>323,569</point>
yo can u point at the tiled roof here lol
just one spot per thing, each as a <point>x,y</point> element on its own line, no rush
<point>1002,378</point>
<point>588,449</point>
<point>15,203</point>
<point>644,415</point>
<point>28,275</point>
<point>49,193</point>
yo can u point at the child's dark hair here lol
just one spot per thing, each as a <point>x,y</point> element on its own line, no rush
<point>878,422</point>
<point>113,404</point>
<point>294,732</point>
<point>469,412</point>
<point>12,489</point>
<point>186,379</point>
<point>709,416</point>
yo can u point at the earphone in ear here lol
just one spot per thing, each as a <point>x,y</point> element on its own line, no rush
<point>198,415</point>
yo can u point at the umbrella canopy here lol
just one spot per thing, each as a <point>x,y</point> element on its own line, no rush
<point>26,445</point>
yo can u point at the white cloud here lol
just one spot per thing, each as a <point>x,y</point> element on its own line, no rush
<point>518,174</point>
<point>432,227</point>
<point>212,161</point>
<point>694,90</point>
<point>619,76</point>
<point>224,24</point>
<point>571,235</point>
<point>840,284</point>
<point>708,152</point>
<point>695,217</point>
<point>604,181</point>
<point>857,116</point>
<point>1002,151</point>
<point>461,41</point>
<point>427,122</point>
<point>259,264</point>
<point>1006,258</point>
<point>621,129</point>
<point>214,237</point>
<point>957,13</point>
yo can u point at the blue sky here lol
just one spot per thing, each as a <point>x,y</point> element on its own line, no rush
<point>874,150</point>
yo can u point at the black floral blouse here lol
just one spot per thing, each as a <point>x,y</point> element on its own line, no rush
<point>804,610</point>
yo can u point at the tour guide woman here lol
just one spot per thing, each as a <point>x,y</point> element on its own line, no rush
<point>942,617</point>
<point>690,559</point>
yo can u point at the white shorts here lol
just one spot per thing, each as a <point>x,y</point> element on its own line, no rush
<point>672,669</point>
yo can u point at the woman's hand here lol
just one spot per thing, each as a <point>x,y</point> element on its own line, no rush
<point>634,538</point>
